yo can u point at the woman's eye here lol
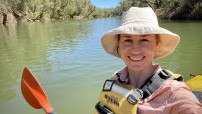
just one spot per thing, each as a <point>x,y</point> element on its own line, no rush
<point>128,40</point>
<point>144,40</point>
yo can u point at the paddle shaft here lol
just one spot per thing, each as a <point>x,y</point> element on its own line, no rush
<point>52,112</point>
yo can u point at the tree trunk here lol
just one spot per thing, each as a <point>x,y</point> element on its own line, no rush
<point>8,18</point>
<point>1,18</point>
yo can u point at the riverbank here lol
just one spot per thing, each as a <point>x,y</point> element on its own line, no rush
<point>14,11</point>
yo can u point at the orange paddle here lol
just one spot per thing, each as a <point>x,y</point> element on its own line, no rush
<point>33,92</point>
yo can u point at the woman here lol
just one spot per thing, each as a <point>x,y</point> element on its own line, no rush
<point>143,87</point>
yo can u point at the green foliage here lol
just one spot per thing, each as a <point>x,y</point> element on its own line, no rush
<point>168,9</point>
<point>33,10</point>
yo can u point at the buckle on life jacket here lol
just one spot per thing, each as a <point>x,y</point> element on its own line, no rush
<point>164,74</point>
<point>153,83</point>
<point>135,97</point>
<point>102,109</point>
<point>108,85</point>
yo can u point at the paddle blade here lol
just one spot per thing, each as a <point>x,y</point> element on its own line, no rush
<point>32,90</point>
<point>195,83</point>
<point>29,97</point>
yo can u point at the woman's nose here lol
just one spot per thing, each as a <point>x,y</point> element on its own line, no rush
<point>136,47</point>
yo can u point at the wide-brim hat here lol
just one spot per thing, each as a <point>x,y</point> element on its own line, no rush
<point>141,21</point>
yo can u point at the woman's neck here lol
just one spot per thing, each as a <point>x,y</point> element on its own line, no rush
<point>137,78</point>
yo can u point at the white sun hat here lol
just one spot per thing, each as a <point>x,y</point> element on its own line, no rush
<point>141,21</point>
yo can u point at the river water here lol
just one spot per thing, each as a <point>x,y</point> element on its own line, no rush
<point>68,60</point>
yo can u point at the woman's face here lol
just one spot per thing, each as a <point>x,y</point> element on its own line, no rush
<point>137,51</point>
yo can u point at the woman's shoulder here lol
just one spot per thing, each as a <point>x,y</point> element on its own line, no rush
<point>175,85</point>
<point>181,98</point>
<point>178,91</point>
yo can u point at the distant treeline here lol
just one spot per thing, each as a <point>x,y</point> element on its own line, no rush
<point>167,9</point>
<point>12,11</point>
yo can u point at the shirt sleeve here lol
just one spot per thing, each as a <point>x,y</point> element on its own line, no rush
<point>183,101</point>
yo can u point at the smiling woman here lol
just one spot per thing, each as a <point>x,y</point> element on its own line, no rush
<point>137,51</point>
<point>67,59</point>
<point>105,3</point>
<point>143,87</point>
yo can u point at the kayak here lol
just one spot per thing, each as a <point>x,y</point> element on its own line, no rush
<point>195,84</point>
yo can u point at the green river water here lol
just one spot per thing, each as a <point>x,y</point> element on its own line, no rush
<point>67,59</point>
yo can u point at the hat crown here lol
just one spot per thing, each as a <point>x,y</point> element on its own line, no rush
<point>143,16</point>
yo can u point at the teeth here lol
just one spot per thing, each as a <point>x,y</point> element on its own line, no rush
<point>136,58</point>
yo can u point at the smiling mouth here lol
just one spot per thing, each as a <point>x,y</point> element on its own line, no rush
<point>136,59</point>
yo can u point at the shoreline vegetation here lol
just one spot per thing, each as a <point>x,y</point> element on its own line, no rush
<point>13,11</point>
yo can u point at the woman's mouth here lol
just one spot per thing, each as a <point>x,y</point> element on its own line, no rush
<point>136,59</point>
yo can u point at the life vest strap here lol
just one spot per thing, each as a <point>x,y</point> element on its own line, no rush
<point>153,83</point>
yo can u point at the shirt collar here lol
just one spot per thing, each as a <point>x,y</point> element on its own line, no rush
<point>123,74</point>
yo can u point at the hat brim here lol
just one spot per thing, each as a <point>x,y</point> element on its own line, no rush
<point>168,40</point>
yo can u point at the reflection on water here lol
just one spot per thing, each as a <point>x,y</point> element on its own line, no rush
<point>69,62</point>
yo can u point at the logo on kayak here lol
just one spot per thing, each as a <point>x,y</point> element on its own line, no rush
<point>112,99</point>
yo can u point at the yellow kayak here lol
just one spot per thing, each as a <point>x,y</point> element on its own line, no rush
<point>195,83</point>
